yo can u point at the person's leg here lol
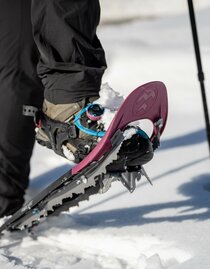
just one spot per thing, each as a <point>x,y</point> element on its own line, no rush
<point>71,66</point>
<point>72,60</point>
<point>19,85</point>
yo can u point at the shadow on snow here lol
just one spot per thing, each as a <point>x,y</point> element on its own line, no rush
<point>195,207</point>
<point>198,200</point>
<point>40,182</point>
<point>192,138</point>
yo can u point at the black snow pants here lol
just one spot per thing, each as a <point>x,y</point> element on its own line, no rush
<point>69,60</point>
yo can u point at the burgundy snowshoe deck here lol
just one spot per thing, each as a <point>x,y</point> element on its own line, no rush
<point>148,101</point>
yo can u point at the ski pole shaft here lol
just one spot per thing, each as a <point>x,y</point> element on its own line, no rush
<point>201,77</point>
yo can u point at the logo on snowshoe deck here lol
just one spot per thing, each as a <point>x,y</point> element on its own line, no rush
<point>145,101</point>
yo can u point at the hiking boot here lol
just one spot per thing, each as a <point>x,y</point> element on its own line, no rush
<point>57,130</point>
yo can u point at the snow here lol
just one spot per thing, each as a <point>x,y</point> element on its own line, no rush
<point>121,10</point>
<point>159,227</point>
<point>110,100</point>
<point>68,154</point>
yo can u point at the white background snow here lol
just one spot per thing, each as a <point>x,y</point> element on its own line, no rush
<point>164,226</point>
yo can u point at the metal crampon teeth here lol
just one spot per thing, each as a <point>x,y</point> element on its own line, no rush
<point>77,186</point>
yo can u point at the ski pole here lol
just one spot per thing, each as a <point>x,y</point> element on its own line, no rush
<point>201,77</point>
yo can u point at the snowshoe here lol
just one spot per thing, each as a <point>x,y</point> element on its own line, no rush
<point>116,157</point>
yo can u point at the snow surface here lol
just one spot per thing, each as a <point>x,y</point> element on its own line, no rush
<point>115,11</point>
<point>164,226</point>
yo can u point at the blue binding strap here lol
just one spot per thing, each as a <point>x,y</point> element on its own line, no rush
<point>142,133</point>
<point>82,128</point>
<point>95,133</point>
